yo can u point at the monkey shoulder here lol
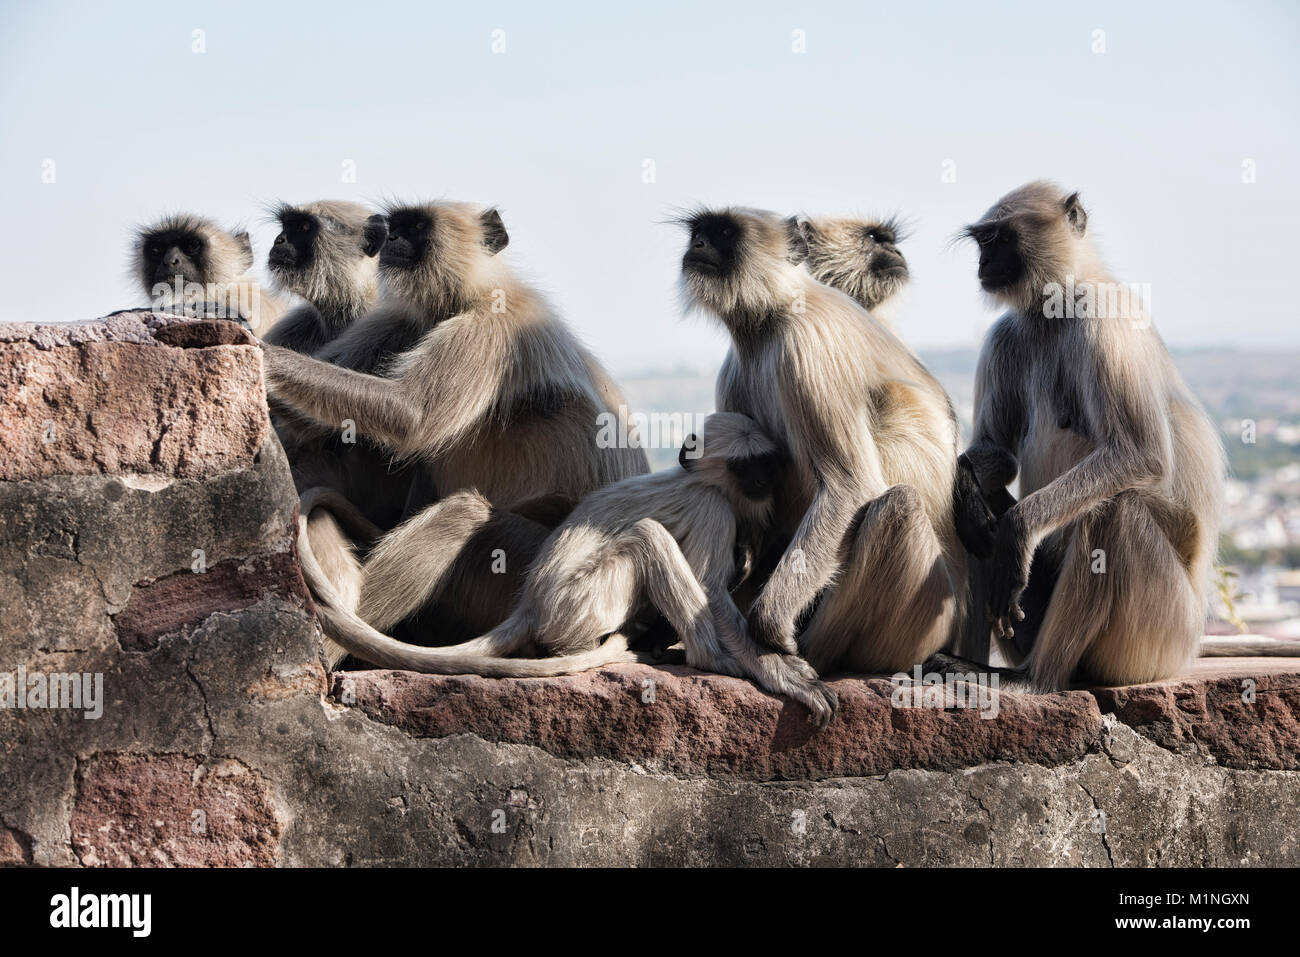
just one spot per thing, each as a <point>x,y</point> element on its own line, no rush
<point>301,329</point>
<point>375,340</point>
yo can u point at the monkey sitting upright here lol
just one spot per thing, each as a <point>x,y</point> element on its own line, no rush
<point>1121,471</point>
<point>189,265</point>
<point>872,576</point>
<point>495,387</point>
<point>327,253</point>
<point>664,543</point>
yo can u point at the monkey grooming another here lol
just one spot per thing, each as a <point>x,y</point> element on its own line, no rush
<point>1103,563</point>
<point>664,543</point>
<point>499,397</point>
<point>189,265</point>
<point>496,394</point>
<point>865,508</point>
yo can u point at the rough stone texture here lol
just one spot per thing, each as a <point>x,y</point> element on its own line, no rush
<point>215,699</point>
<point>80,402</point>
<point>703,724</point>
<point>1247,719</point>
<point>173,811</point>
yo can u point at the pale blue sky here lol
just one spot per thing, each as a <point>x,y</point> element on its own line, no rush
<point>555,131</point>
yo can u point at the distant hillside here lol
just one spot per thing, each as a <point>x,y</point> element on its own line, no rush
<point>1233,384</point>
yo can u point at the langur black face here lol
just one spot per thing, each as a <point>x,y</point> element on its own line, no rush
<point>714,245</point>
<point>1002,264</point>
<point>168,253</point>
<point>756,476</point>
<point>295,247</point>
<point>884,260</point>
<point>410,235</point>
<point>1028,238</point>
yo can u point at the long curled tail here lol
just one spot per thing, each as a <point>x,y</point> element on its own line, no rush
<point>348,630</point>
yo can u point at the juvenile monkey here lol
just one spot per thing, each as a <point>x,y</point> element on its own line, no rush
<point>662,543</point>
<point>188,264</point>
<point>1121,471</point>
<point>871,559</point>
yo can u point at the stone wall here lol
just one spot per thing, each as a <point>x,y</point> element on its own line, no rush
<point>146,536</point>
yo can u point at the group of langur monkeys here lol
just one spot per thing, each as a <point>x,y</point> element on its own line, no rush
<point>824,521</point>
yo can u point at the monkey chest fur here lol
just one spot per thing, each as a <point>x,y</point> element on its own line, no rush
<point>1057,431</point>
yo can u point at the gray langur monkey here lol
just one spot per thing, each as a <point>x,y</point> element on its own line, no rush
<point>1101,568</point>
<point>498,394</point>
<point>327,252</point>
<point>189,265</point>
<point>871,558</point>
<point>664,543</point>
<point>859,257</point>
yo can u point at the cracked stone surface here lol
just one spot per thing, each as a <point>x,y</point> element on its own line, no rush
<point>155,547</point>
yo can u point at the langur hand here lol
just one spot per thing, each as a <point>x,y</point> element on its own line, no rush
<point>976,523</point>
<point>1011,557</point>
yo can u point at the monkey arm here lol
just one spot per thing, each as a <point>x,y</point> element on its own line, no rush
<point>331,395</point>
<point>1127,413</point>
<point>999,415</point>
<point>1133,450</point>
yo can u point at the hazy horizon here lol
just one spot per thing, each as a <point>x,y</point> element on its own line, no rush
<point>556,130</point>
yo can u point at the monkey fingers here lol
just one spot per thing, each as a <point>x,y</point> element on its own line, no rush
<point>976,524</point>
<point>793,677</point>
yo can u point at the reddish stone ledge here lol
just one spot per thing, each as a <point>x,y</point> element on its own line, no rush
<point>1244,712</point>
<point>131,393</point>
<point>173,810</point>
<point>702,724</point>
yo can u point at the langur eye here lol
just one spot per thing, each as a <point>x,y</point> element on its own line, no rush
<point>873,236</point>
<point>306,225</point>
<point>191,248</point>
<point>727,232</point>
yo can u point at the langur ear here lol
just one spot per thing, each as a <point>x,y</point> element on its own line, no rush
<point>495,237</point>
<point>796,244</point>
<point>1075,214</point>
<point>374,234</point>
<point>245,245</point>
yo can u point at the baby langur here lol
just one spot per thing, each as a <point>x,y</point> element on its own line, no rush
<point>188,265</point>
<point>327,252</point>
<point>871,567</point>
<point>660,544</point>
<point>1102,566</point>
<point>859,257</point>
